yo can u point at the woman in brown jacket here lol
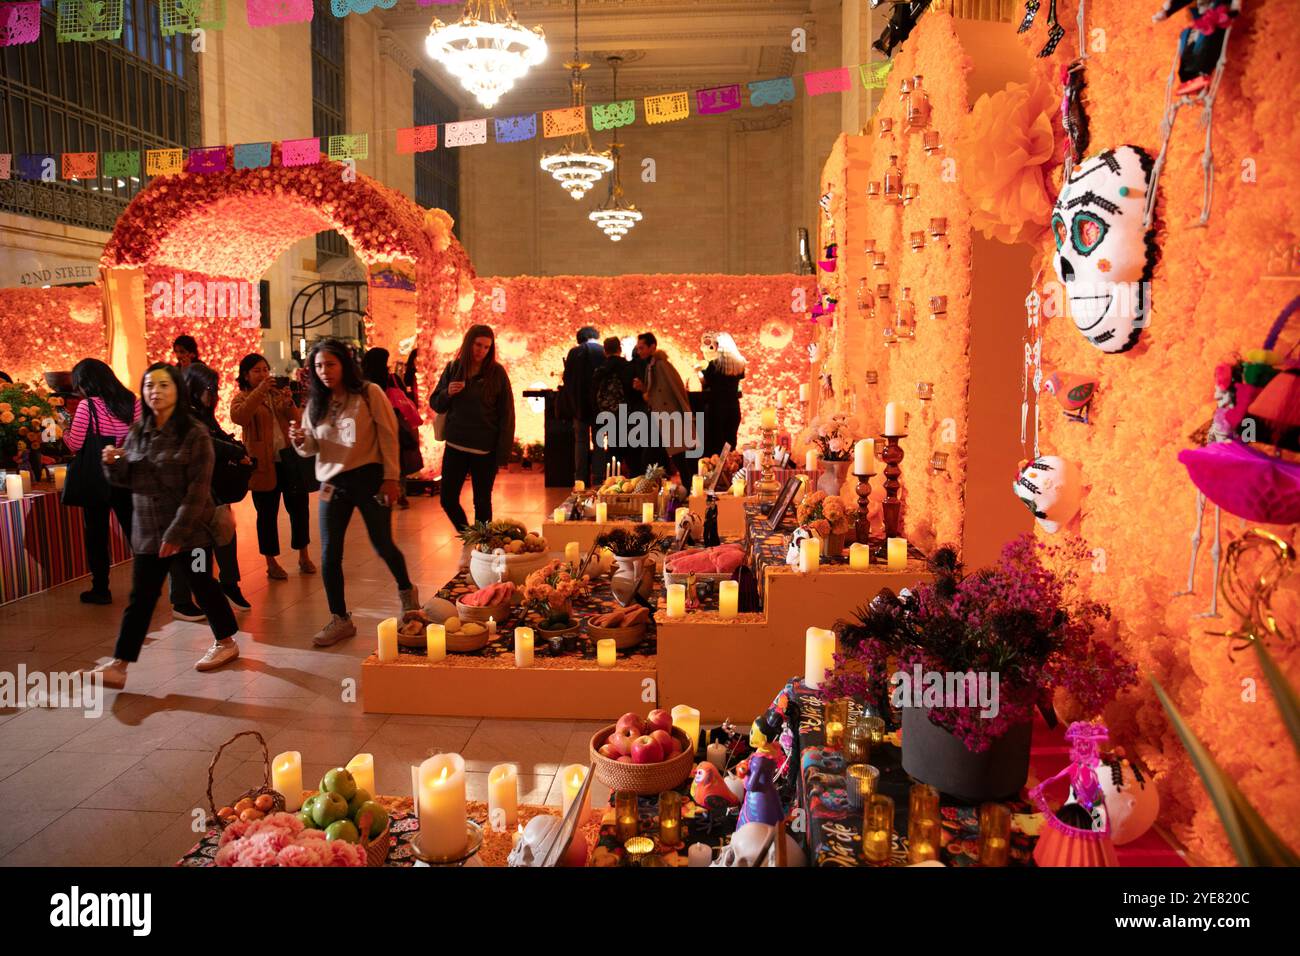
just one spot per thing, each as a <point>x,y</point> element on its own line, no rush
<point>265,412</point>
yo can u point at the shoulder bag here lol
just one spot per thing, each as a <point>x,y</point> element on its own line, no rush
<point>85,484</point>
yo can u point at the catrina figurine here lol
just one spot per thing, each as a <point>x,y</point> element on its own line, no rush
<point>711,537</point>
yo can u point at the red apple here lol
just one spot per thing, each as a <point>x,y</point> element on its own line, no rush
<point>626,760</point>
<point>659,719</point>
<point>607,750</point>
<point>622,740</point>
<point>630,720</point>
<point>665,742</point>
<point>673,749</point>
<point>646,750</point>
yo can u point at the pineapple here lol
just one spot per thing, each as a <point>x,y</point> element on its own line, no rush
<point>648,482</point>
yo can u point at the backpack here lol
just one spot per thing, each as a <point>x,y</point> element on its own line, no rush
<point>608,390</point>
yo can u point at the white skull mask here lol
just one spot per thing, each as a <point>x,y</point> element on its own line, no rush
<point>1050,488</point>
<point>1102,251</point>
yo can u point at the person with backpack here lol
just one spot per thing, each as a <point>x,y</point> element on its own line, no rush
<point>374,366</point>
<point>610,385</point>
<point>580,366</point>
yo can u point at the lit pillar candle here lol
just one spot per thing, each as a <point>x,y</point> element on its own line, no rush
<point>687,719</point>
<point>810,555</point>
<point>769,418</point>
<point>697,485</point>
<point>676,600</point>
<point>602,512</point>
<point>571,778</point>
<point>897,554</point>
<point>558,515</point>
<point>859,556</point>
<point>523,647</point>
<point>503,798</point>
<point>581,485</point>
<point>14,487</point>
<point>27,481</point>
<point>572,553</point>
<point>864,457</point>
<point>442,806</point>
<point>647,512</point>
<point>606,652</point>
<point>435,641</point>
<point>811,459</point>
<point>818,655</point>
<point>738,490</point>
<point>803,392</point>
<point>388,639</point>
<point>893,420</point>
<point>362,768</point>
<point>60,476</point>
<point>699,854</point>
<point>728,598</point>
<point>286,777</point>
<point>717,754</point>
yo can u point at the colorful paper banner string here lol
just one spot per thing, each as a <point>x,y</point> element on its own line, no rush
<point>88,20</point>
<point>163,162</point>
<point>875,75</point>
<point>341,8</point>
<point>417,139</point>
<point>252,155</point>
<point>300,152</point>
<point>667,107</point>
<point>827,81</point>
<point>465,133</point>
<point>771,92</point>
<point>718,99</point>
<point>613,115</point>
<point>6,164</point>
<point>207,160</point>
<point>35,165</point>
<point>20,23</point>
<point>565,122</point>
<point>268,13</point>
<point>121,165</point>
<point>515,129</point>
<point>349,146</point>
<point>80,165</point>
<point>186,16</point>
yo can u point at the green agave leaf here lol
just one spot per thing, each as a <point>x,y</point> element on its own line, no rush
<point>1288,702</point>
<point>1252,840</point>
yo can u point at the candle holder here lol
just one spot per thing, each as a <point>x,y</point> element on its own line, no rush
<point>670,818</point>
<point>836,720</point>
<point>627,819</point>
<point>893,506</point>
<point>995,834</point>
<point>872,376</point>
<point>925,391</point>
<point>638,849</point>
<point>873,190</point>
<point>876,727</point>
<point>939,229</point>
<point>910,192</point>
<point>767,488</point>
<point>882,292</point>
<point>886,127</point>
<point>473,843</point>
<point>939,462</point>
<point>878,829</point>
<point>857,742</point>
<point>918,240</point>
<point>878,260</point>
<point>924,838</point>
<point>938,306</point>
<point>860,780</point>
<point>931,142</point>
<point>862,527</point>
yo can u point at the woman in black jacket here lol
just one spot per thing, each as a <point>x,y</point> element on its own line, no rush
<point>474,393</point>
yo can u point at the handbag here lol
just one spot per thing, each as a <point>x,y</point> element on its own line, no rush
<point>230,475</point>
<point>85,484</point>
<point>222,525</point>
<point>299,474</point>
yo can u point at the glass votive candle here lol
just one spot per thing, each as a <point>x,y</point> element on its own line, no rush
<point>938,227</point>
<point>875,725</point>
<point>882,291</point>
<point>925,391</point>
<point>871,376</point>
<point>930,141</point>
<point>857,742</point>
<point>869,247</point>
<point>860,781</point>
<point>911,191</point>
<point>627,822</point>
<point>938,306</point>
<point>878,260</point>
<point>873,190</point>
<point>637,849</point>
<point>877,828</point>
<point>924,838</point>
<point>670,818</point>
<point>918,240</point>
<point>837,717</point>
<point>939,461</point>
<point>923,802</point>
<point>886,125</point>
<point>995,834</point>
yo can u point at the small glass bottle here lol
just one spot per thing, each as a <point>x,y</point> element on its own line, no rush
<point>866,301</point>
<point>905,101</point>
<point>918,106</point>
<point>893,182</point>
<point>905,324</point>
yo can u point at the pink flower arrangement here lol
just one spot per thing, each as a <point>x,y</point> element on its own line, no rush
<point>281,839</point>
<point>834,436</point>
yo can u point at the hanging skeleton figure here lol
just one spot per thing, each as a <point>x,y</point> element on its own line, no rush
<point>1194,80</point>
<point>902,20</point>
<point>1055,32</point>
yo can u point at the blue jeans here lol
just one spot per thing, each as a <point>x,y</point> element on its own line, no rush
<point>354,490</point>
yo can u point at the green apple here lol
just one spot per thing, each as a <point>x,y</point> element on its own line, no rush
<point>378,817</point>
<point>343,830</point>
<point>328,808</point>
<point>305,816</point>
<point>355,803</point>
<point>340,781</point>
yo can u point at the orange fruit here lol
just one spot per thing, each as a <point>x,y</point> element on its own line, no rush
<point>244,803</point>
<point>264,802</point>
<point>251,814</point>
<point>225,812</point>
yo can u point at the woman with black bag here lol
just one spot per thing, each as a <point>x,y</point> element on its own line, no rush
<point>374,366</point>
<point>265,412</point>
<point>103,417</point>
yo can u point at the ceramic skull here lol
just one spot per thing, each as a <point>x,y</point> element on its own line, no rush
<point>1050,487</point>
<point>1104,252</point>
<point>527,850</point>
<point>1132,804</point>
<point>799,534</point>
<point>746,848</point>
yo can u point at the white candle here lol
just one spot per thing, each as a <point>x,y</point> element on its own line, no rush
<point>687,719</point>
<point>60,476</point>
<point>571,777</point>
<point>572,553</point>
<point>602,512</point>
<point>738,487</point>
<point>579,486</point>
<point>523,647</point>
<point>558,515</point>
<point>492,625</point>
<point>859,556</point>
<point>647,512</point>
<point>14,487</point>
<point>286,777</point>
<point>893,420</point>
<point>810,555</point>
<point>503,797</point>
<point>728,598</point>
<point>699,854</point>
<point>606,652</point>
<point>803,392</point>
<point>769,418</point>
<point>897,554</point>
<point>435,642</point>
<point>718,756</point>
<point>27,481</point>
<point>697,485</point>
<point>819,648</point>
<point>362,768</point>
<point>676,600</point>
<point>442,806</point>
<point>811,459</point>
<point>864,457</point>
<point>388,640</point>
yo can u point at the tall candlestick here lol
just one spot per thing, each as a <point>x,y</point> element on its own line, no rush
<point>862,523</point>
<point>892,508</point>
<point>606,652</point>
<point>819,655</point>
<point>676,600</point>
<point>523,647</point>
<point>442,807</point>
<point>388,640</point>
<point>687,719</point>
<point>571,778</point>
<point>362,768</point>
<point>893,420</point>
<point>810,555</point>
<point>728,598</point>
<point>435,642</point>
<point>896,557</point>
<point>602,512</point>
<point>503,797</point>
<point>864,457</point>
<point>286,777</point>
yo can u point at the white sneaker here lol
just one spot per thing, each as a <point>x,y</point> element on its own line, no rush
<point>221,652</point>
<point>338,629</point>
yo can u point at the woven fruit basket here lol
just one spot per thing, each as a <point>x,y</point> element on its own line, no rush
<point>623,637</point>
<point>642,778</point>
<point>277,799</point>
<point>376,849</point>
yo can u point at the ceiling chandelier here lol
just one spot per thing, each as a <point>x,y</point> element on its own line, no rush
<point>487,49</point>
<point>614,217</point>
<point>577,166</point>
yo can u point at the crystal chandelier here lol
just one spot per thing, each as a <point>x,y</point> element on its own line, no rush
<point>614,217</point>
<point>577,166</point>
<point>487,49</point>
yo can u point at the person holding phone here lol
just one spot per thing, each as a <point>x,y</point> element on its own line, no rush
<point>350,426</point>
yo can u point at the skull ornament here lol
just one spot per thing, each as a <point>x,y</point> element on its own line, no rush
<point>746,848</point>
<point>529,846</point>
<point>799,534</point>
<point>1050,488</point>
<point>1104,254</point>
<point>1132,802</point>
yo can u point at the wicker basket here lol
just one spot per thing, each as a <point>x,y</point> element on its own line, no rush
<point>628,506</point>
<point>642,778</point>
<point>277,799</point>
<point>623,637</point>
<point>480,615</point>
<point>700,578</point>
<point>377,849</point>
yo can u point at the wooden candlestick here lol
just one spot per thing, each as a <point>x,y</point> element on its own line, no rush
<point>767,487</point>
<point>893,506</point>
<point>862,528</point>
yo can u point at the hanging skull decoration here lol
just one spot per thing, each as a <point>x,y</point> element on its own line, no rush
<point>1050,488</point>
<point>1104,253</point>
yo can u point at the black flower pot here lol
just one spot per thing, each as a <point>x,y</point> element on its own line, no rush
<point>934,756</point>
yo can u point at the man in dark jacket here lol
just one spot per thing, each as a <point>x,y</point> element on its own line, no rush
<point>579,367</point>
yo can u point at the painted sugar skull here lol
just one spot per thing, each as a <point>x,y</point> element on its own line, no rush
<point>1050,488</point>
<point>1104,253</point>
<point>1132,801</point>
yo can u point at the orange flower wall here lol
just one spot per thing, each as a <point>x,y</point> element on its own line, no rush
<point>49,330</point>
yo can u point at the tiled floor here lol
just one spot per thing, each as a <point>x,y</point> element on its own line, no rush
<point>124,788</point>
